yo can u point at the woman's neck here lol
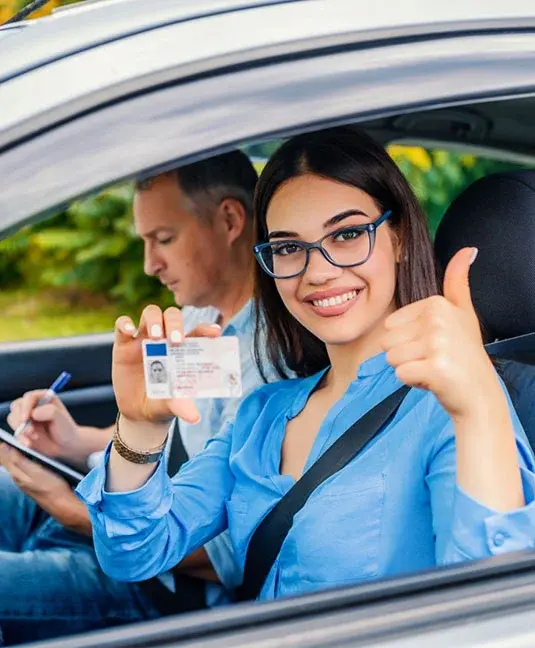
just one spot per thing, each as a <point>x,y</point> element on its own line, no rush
<point>346,359</point>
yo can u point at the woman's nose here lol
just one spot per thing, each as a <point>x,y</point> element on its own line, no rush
<point>319,269</point>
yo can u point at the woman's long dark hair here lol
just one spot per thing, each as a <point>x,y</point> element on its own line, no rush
<point>349,156</point>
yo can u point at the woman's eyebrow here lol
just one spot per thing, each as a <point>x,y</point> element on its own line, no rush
<point>342,215</point>
<point>329,223</point>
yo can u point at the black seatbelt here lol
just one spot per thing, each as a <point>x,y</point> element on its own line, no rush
<point>519,349</point>
<point>266,542</point>
<point>177,452</point>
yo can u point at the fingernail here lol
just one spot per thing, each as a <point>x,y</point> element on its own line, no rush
<point>156,331</point>
<point>216,326</point>
<point>129,327</point>
<point>176,337</point>
<point>474,255</point>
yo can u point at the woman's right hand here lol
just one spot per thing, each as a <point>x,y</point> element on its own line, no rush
<point>127,368</point>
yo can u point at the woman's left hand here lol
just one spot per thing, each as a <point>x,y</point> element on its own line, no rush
<point>436,344</point>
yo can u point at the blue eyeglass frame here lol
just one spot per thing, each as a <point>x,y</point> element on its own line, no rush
<point>370,228</point>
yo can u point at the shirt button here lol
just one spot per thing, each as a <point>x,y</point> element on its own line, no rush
<point>499,539</point>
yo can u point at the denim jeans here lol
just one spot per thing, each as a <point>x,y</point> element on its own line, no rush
<point>50,580</point>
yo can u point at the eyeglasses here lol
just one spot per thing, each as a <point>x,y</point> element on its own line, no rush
<point>346,247</point>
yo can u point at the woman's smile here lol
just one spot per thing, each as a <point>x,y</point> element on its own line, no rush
<point>333,302</point>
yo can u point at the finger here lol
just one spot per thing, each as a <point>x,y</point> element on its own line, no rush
<point>414,374</point>
<point>402,335</point>
<point>45,413</point>
<point>10,457</point>
<point>4,454</point>
<point>206,330</point>
<point>406,314</point>
<point>185,409</point>
<point>25,405</point>
<point>174,326</point>
<point>125,329</point>
<point>151,323</point>
<point>404,353</point>
<point>456,282</point>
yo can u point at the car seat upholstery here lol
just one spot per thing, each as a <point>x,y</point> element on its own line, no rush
<point>496,214</point>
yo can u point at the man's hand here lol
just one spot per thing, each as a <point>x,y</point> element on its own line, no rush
<point>50,491</point>
<point>53,431</point>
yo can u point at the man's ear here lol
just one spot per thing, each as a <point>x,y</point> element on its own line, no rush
<point>232,216</point>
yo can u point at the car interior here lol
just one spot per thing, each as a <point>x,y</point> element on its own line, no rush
<point>506,305</point>
<point>494,214</point>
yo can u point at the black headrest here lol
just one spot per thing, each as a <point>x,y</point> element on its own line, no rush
<point>497,215</point>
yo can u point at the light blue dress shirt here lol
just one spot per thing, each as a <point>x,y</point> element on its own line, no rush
<point>394,509</point>
<point>216,413</point>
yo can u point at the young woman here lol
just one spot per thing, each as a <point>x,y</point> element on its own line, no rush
<point>347,286</point>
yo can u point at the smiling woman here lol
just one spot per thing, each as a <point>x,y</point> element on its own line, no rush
<point>450,458</point>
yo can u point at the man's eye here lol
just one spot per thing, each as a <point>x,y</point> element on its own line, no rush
<point>166,241</point>
<point>349,234</point>
<point>285,249</point>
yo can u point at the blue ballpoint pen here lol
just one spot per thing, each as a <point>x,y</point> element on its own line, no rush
<point>54,388</point>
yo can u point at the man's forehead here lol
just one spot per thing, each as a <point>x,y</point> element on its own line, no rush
<point>162,206</point>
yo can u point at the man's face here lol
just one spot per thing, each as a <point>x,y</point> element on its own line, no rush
<point>186,252</point>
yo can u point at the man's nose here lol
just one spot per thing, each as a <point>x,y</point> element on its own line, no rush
<point>319,269</point>
<point>152,263</point>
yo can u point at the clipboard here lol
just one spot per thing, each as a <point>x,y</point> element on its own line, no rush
<point>72,476</point>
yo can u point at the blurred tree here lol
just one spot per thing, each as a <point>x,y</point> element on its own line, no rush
<point>10,7</point>
<point>438,177</point>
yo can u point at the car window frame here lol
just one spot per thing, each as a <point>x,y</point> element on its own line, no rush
<point>426,94</point>
<point>236,95</point>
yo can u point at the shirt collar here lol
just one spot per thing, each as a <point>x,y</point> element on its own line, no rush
<point>373,366</point>
<point>241,320</point>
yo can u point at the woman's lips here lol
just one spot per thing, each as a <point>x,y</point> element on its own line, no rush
<point>336,305</point>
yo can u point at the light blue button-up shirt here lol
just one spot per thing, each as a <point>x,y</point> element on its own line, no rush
<point>394,509</point>
<point>216,413</point>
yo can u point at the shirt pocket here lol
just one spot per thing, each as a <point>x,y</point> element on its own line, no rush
<point>336,537</point>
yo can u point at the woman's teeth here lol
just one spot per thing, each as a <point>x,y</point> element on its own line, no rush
<point>335,301</point>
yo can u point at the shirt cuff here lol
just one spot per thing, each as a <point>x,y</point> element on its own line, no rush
<point>152,500</point>
<point>223,560</point>
<point>480,532</point>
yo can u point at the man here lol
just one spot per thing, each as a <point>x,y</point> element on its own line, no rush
<point>196,224</point>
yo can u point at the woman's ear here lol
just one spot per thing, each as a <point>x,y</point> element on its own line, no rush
<point>232,217</point>
<point>396,244</point>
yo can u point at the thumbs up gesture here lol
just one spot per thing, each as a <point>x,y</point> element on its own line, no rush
<point>436,343</point>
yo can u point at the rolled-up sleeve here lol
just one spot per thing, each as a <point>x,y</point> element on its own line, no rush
<point>142,533</point>
<point>466,529</point>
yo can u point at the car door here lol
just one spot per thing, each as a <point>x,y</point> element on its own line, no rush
<point>28,365</point>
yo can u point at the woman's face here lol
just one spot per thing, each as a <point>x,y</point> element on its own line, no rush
<point>301,209</point>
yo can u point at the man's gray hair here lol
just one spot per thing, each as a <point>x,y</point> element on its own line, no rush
<point>208,182</point>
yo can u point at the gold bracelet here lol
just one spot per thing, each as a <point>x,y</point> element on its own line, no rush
<point>135,456</point>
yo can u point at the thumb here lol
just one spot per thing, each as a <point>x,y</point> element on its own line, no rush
<point>456,283</point>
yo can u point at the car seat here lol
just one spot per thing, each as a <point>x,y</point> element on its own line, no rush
<point>496,214</point>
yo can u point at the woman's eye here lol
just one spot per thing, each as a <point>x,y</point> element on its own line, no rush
<point>286,249</point>
<point>346,235</point>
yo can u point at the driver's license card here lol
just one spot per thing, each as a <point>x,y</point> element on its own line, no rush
<point>197,368</point>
